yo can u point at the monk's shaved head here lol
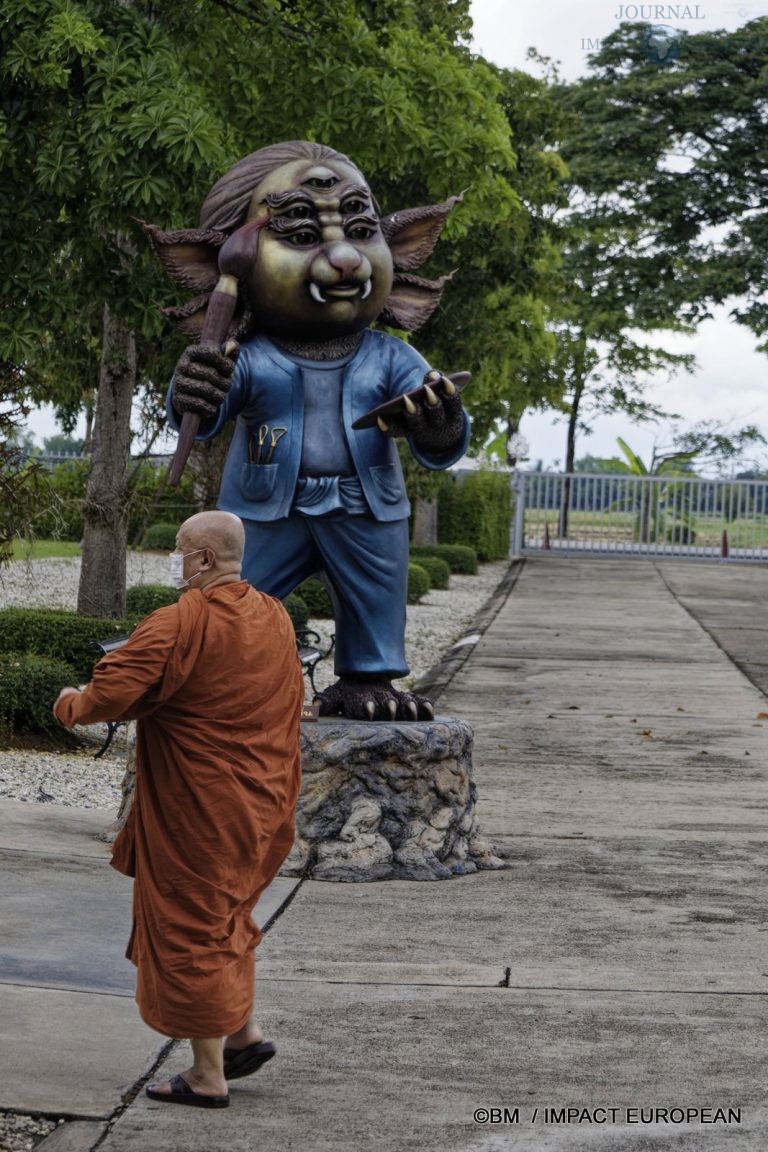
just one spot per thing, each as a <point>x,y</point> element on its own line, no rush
<point>222,532</point>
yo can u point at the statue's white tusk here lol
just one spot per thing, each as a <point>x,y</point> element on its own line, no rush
<point>315,292</point>
<point>366,290</point>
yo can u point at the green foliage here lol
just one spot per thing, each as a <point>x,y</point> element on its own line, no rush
<point>60,512</point>
<point>610,465</point>
<point>29,686</point>
<point>151,500</point>
<point>142,599</point>
<point>460,558</point>
<point>315,596</point>
<point>699,223</point>
<point>476,510</point>
<point>437,569</point>
<point>418,583</point>
<point>297,610</point>
<point>60,635</point>
<point>161,537</point>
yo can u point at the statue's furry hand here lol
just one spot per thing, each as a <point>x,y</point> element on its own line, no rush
<point>434,422</point>
<point>201,379</point>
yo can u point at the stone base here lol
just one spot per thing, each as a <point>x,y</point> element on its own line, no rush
<point>387,801</point>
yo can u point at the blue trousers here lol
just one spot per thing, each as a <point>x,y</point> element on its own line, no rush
<point>366,563</point>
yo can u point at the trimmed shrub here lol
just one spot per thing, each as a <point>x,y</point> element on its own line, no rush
<point>476,509</point>
<point>438,571</point>
<point>161,537</point>
<point>29,685</point>
<point>145,598</point>
<point>459,557</point>
<point>297,610</point>
<point>418,583</point>
<point>315,596</point>
<point>59,635</point>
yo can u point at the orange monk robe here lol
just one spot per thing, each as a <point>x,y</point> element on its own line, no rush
<point>215,684</point>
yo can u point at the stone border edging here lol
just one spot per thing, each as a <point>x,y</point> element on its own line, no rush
<point>435,681</point>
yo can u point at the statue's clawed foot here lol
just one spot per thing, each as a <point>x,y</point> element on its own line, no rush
<point>372,698</point>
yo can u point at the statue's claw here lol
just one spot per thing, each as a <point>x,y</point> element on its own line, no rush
<point>372,698</point>
<point>431,397</point>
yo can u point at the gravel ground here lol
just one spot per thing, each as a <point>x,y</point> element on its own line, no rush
<point>22,1133</point>
<point>75,779</point>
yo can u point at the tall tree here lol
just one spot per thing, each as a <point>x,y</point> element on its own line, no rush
<point>113,111</point>
<point>678,152</point>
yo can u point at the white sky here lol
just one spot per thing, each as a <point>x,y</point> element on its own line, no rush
<point>731,378</point>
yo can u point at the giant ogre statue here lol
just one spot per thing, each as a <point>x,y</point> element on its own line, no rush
<point>317,494</point>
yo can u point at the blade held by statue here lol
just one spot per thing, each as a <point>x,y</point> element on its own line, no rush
<point>395,406</point>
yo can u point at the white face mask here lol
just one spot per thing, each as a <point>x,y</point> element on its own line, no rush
<point>176,563</point>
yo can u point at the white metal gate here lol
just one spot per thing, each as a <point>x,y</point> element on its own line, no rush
<point>672,516</point>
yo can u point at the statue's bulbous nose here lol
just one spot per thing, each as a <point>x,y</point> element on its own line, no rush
<point>343,257</point>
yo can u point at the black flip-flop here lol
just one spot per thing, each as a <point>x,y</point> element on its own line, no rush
<point>181,1093</point>
<point>245,1061</point>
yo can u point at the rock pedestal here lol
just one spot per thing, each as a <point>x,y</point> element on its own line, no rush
<point>387,801</point>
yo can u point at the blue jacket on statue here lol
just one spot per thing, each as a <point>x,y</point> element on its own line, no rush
<point>267,389</point>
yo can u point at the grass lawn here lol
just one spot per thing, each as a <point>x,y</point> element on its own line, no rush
<point>44,549</point>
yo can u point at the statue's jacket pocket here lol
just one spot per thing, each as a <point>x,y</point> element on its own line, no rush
<point>388,482</point>
<point>257,481</point>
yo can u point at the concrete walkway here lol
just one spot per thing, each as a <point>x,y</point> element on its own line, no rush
<point>618,963</point>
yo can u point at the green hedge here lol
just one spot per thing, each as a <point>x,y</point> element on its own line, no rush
<point>59,635</point>
<point>438,570</point>
<point>418,583</point>
<point>297,610</point>
<point>476,509</point>
<point>142,599</point>
<point>459,557</point>
<point>315,596</point>
<point>161,536</point>
<point>29,686</point>
<point>150,499</point>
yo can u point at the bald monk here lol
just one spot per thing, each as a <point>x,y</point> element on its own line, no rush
<point>215,684</point>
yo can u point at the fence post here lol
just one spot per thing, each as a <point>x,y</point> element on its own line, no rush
<point>516,539</point>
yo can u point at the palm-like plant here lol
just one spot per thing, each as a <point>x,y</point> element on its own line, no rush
<point>665,509</point>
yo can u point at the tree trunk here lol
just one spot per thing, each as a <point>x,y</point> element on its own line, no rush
<point>570,460</point>
<point>424,523</point>
<point>102,577</point>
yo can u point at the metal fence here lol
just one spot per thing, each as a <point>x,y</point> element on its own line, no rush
<point>672,516</point>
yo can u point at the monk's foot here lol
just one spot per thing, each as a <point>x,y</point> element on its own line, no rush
<point>201,1084</point>
<point>251,1034</point>
<point>372,698</point>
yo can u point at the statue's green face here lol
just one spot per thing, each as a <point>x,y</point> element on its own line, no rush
<point>323,267</point>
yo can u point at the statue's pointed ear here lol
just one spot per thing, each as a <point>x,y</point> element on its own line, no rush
<point>412,233</point>
<point>190,317</point>
<point>412,301</point>
<point>189,255</point>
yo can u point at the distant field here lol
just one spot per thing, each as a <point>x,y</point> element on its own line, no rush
<point>621,528</point>
<point>44,549</point>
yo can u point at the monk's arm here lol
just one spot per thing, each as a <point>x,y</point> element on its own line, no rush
<point>123,682</point>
